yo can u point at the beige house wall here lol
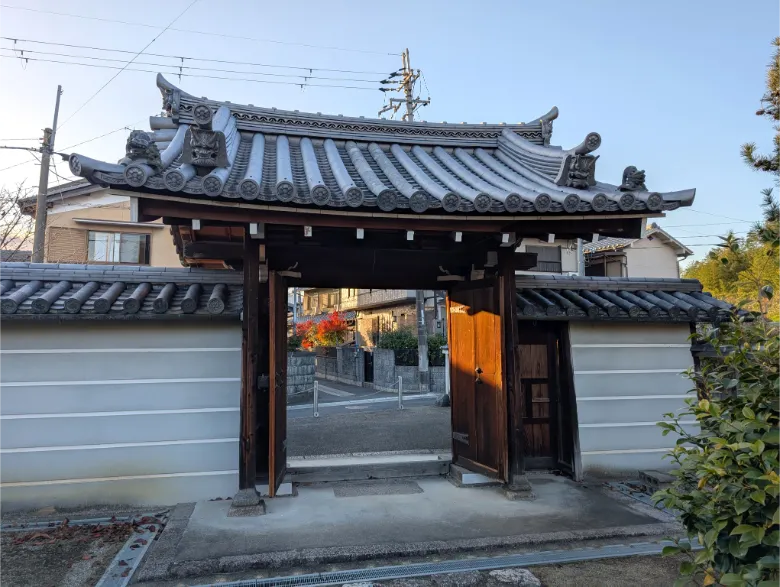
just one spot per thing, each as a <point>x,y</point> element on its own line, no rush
<point>651,258</point>
<point>66,238</point>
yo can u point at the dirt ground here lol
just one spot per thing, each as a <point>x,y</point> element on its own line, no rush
<point>67,556</point>
<point>639,571</point>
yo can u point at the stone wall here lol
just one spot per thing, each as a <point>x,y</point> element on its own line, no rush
<point>438,380</point>
<point>348,366</point>
<point>300,375</point>
<point>384,368</point>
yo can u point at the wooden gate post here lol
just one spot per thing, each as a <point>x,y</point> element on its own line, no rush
<point>510,369</point>
<point>250,350</point>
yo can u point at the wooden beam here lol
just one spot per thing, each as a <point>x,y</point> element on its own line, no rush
<point>214,250</point>
<point>250,343</point>
<point>151,208</point>
<point>510,367</point>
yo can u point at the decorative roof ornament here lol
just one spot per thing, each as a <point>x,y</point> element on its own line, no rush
<point>141,147</point>
<point>579,168</point>
<point>633,180</point>
<point>204,148</point>
<point>579,171</point>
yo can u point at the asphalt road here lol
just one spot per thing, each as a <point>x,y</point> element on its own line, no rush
<point>370,428</point>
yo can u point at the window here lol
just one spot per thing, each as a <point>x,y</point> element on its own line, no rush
<point>548,259</point>
<point>118,247</point>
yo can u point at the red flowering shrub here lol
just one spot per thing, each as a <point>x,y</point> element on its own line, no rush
<point>307,332</point>
<point>332,331</point>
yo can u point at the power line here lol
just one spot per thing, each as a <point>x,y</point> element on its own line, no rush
<point>125,127</point>
<point>20,54</point>
<point>708,224</point>
<point>190,5</point>
<point>226,61</point>
<point>8,140</point>
<point>719,215</point>
<point>235,79</point>
<point>195,32</point>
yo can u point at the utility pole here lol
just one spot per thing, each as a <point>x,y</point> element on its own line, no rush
<point>43,185</point>
<point>409,78</point>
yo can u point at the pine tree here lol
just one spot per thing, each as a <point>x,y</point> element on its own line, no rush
<point>770,108</point>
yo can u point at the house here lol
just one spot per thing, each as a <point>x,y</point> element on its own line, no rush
<point>90,223</point>
<point>282,199</point>
<point>374,311</point>
<point>658,254</point>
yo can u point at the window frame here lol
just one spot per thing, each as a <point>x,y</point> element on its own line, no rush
<point>145,251</point>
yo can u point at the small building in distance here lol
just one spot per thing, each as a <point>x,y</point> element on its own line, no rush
<point>658,254</point>
<point>92,224</point>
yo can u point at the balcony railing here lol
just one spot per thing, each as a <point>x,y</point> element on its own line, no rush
<point>379,297</point>
<point>548,267</point>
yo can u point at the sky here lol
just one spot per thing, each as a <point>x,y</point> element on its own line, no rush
<point>671,86</point>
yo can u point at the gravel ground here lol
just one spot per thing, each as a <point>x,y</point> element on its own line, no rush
<point>68,556</point>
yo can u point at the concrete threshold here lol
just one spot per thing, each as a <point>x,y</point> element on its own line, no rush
<point>378,466</point>
<point>407,518</point>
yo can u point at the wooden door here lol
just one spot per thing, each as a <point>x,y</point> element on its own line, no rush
<point>478,396</point>
<point>277,414</point>
<point>537,380</point>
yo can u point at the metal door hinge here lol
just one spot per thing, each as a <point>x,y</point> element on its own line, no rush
<point>461,437</point>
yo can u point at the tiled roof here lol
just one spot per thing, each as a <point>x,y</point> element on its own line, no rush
<point>607,244</point>
<point>634,299</point>
<point>18,255</point>
<point>247,153</point>
<point>31,291</point>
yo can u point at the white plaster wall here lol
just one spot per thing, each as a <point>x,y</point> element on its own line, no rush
<point>626,376</point>
<point>651,258</point>
<point>118,413</point>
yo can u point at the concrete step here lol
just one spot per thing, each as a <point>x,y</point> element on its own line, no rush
<point>366,467</point>
<point>465,478</point>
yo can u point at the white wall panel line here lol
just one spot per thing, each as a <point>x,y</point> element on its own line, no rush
<point>629,424</point>
<point>630,397</point>
<point>125,478</point>
<point>625,451</point>
<point>116,445</point>
<point>127,413</point>
<point>639,345</point>
<point>127,350</point>
<point>632,371</point>
<point>119,382</point>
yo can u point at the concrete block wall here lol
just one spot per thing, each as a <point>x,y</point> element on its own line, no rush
<point>300,374</point>
<point>348,366</point>
<point>384,368</point>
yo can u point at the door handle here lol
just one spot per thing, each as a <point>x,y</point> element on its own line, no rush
<point>478,371</point>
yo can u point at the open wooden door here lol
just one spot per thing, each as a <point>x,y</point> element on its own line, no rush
<point>277,416</point>
<point>549,406</point>
<point>538,381</point>
<point>478,396</point>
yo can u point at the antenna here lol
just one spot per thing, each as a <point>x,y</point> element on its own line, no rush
<point>408,78</point>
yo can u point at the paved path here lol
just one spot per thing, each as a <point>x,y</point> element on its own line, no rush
<point>369,428</point>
